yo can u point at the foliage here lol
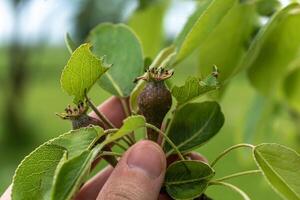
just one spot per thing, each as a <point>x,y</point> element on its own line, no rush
<point>58,168</point>
<point>120,47</point>
<point>78,76</point>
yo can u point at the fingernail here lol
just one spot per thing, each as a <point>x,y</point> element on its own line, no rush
<point>147,157</point>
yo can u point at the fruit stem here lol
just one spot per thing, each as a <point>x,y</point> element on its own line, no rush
<point>150,126</point>
<point>238,174</point>
<point>232,187</point>
<point>225,152</point>
<point>102,117</point>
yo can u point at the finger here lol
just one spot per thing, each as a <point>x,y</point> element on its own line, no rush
<point>197,156</point>
<point>113,110</point>
<point>138,175</point>
<point>6,194</point>
<point>91,189</point>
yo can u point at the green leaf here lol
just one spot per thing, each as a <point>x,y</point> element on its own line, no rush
<point>164,57</point>
<point>134,95</point>
<point>148,24</point>
<point>77,141</point>
<point>228,43</point>
<point>193,88</point>
<point>81,72</point>
<point>187,179</point>
<point>33,177</point>
<point>122,48</point>
<point>129,124</point>
<point>201,8</point>
<point>70,43</point>
<point>291,86</point>
<point>193,125</point>
<point>281,168</point>
<point>71,173</point>
<point>201,25</point>
<point>275,48</point>
<point>70,176</point>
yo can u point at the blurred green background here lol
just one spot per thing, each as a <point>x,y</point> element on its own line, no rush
<point>32,55</point>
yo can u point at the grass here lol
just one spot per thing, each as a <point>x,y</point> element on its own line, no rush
<point>44,97</point>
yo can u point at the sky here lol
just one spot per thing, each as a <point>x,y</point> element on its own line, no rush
<point>44,18</point>
<point>51,19</point>
<point>36,20</point>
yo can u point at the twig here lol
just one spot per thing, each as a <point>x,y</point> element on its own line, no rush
<point>98,113</point>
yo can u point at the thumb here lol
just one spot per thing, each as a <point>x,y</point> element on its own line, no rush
<point>138,175</point>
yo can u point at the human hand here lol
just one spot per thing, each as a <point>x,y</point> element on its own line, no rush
<point>139,174</point>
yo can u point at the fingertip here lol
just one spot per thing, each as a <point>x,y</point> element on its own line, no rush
<point>148,157</point>
<point>138,175</point>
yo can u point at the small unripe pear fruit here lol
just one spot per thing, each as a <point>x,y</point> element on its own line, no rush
<point>155,100</point>
<point>79,118</point>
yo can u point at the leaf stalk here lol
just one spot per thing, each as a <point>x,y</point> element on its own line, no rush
<point>238,174</point>
<point>166,138</point>
<point>232,187</point>
<point>102,117</point>
<point>225,152</point>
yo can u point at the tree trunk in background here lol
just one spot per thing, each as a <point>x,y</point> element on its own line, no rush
<point>15,122</point>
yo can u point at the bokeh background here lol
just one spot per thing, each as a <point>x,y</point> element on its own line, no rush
<point>33,54</point>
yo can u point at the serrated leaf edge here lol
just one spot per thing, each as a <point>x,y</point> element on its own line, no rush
<point>101,60</point>
<point>79,173</point>
<point>49,143</point>
<point>25,159</point>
